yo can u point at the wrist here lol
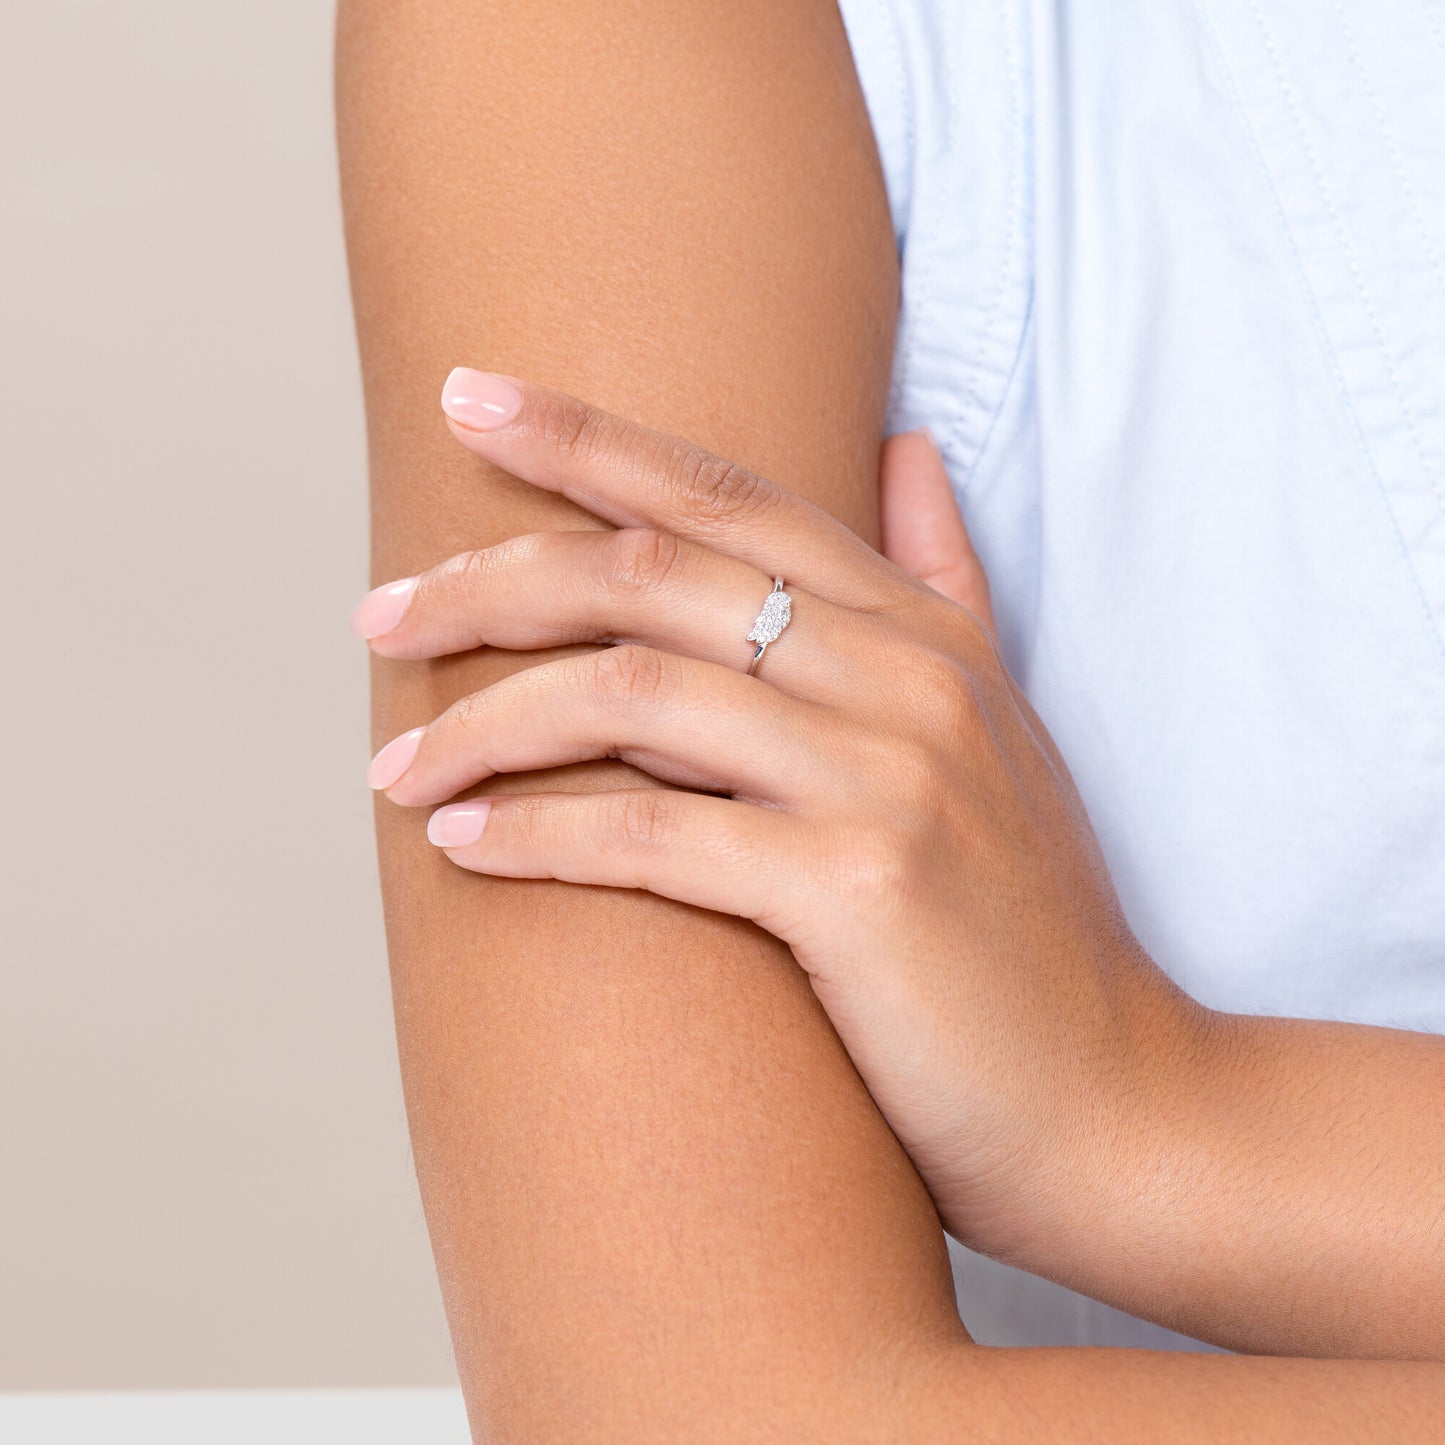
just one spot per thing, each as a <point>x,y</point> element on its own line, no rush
<point>1110,1132</point>
<point>1119,1216</point>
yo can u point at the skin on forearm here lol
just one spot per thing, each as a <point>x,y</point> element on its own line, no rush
<point>1271,1185</point>
<point>1142,1397</point>
<point>1302,1207</point>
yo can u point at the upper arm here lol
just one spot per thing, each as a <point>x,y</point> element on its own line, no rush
<point>654,1182</point>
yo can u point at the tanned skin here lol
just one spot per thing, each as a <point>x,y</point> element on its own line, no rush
<point>662,1204</point>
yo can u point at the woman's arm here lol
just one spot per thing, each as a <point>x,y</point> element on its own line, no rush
<point>1270,1184</point>
<point>657,1191</point>
<point>662,1204</point>
<point>828,834</point>
<point>1276,1186</point>
<point>1144,1397</point>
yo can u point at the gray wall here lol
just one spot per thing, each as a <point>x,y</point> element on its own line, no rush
<point>204,1176</point>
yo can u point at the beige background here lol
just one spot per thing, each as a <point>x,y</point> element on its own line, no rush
<point>204,1176</point>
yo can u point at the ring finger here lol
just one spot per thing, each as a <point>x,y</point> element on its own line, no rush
<point>686,722</point>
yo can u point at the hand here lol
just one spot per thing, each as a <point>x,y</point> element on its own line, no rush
<point>880,795</point>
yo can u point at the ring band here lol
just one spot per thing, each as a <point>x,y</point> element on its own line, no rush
<point>776,614</point>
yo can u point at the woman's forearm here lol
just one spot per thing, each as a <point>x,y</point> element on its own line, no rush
<point>1141,1397</point>
<point>1271,1185</point>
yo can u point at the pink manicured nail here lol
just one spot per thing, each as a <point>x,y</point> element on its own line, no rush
<point>480,400</point>
<point>379,611</point>
<point>458,824</point>
<point>394,759</point>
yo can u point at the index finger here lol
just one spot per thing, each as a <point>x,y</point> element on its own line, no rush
<point>630,475</point>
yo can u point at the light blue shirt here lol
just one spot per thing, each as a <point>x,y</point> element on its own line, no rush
<point>1174,306</point>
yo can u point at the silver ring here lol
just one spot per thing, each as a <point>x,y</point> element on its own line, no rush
<point>776,614</point>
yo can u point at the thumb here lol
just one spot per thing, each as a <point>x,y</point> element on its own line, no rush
<point>921,527</point>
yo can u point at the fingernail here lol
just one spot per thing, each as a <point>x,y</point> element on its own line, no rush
<point>458,824</point>
<point>480,400</point>
<point>394,759</point>
<point>928,432</point>
<point>380,610</point>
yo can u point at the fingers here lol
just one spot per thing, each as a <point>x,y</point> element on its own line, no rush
<point>691,723</point>
<point>923,532</point>
<point>714,853</point>
<point>636,584</point>
<point>922,528</point>
<point>633,476</point>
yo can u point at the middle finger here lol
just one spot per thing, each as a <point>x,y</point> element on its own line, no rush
<point>636,584</point>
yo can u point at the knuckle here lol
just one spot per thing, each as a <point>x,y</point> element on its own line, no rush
<point>718,490</point>
<point>940,695</point>
<point>872,867</point>
<point>467,573</point>
<point>971,636</point>
<point>570,426</point>
<point>466,715</point>
<point>530,823</point>
<point>468,577</point>
<point>642,820</point>
<point>629,676</point>
<point>644,560</point>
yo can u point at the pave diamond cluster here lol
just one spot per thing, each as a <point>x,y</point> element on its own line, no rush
<point>776,614</point>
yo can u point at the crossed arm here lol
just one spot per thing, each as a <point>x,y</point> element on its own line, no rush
<point>662,1203</point>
